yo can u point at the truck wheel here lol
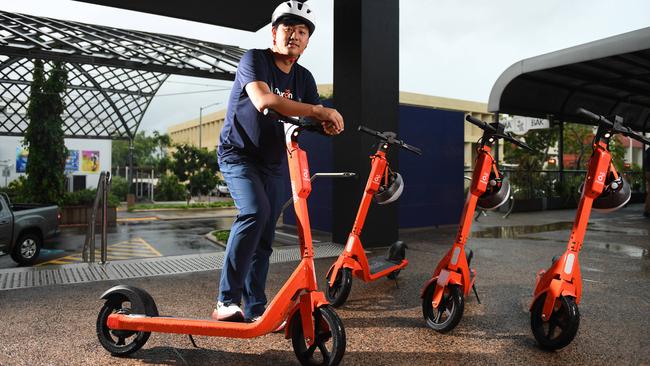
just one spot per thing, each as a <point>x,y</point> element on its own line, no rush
<point>27,249</point>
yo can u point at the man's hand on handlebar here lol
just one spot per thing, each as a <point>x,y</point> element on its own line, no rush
<point>330,118</point>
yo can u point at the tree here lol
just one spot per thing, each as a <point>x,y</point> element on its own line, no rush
<point>148,151</point>
<point>532,185</point>
<point>164,141</point>
<point>169,189</point>
<point>144,148</point>
<point>196,166</point>
<point>577,141</point>
<point>44,136</point>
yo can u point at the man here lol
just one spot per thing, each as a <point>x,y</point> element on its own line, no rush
<point>646,168</point>
<point>252,151</point>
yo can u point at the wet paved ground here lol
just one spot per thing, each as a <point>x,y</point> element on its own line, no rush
<point>384,325</point>
<point>167,237</point>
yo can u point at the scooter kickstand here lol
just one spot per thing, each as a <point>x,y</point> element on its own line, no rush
<point>193,343</point>
<point>396,284</point>
<point>476,293</point>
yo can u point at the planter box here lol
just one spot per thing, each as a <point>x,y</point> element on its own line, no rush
<point>80,215</point>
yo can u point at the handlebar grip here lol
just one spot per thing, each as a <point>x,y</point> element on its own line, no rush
<point>306,123</point>
<point>642,139</point>
<point>482,125</point>
<point>594,116</point>
<point>412,148</point>
<point>370,131</point>
<point>275,115</point>
<point>588,114</point>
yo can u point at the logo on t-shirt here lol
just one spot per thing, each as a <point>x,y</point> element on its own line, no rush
<point>285,94</point>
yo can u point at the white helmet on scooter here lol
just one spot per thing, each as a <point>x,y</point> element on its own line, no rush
<point>391,191</point>
<point>497,193</point>
<point>294,10</point>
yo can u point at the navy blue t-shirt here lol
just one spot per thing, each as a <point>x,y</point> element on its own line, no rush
<point>249,135</point>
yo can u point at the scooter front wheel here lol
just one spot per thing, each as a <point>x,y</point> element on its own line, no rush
<point>447,314</point>
<point>562,326</point>
<point>118,342</point>
<point>339,291</point>
<point>329,345</point>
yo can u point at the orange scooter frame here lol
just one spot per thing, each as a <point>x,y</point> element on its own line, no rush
<point>298,300</point>
<point>443,295</point>
<point>454,269</point>
<point>453,275</point>
<point>353,261</point>
<point>563,278</point>
<point>554,310</point>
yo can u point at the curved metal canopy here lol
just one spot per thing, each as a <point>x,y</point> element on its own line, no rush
<point>249,15</point>
<point>608,76</point>
<point>113,74</point>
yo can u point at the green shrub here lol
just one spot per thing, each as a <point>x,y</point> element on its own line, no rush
<point>222,235</point>
<point>169,189</point>
<point>119,187</point>
<point>17,190</point>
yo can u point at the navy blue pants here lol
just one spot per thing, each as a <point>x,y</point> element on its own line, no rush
<point>258,194</point>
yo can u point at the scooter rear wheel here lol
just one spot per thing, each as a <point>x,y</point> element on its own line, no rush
<point>565,318</point>
<point>338,293</point>
<point>447,315</point>
<point>118,342</point>
<point>329,346</point>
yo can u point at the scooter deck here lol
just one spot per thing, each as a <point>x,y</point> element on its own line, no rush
<point>378,264</point>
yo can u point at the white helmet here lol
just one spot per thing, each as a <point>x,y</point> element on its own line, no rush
<point>294,9</point>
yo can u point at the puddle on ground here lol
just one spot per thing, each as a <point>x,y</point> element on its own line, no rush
<point>511,232</point>
<point>519,232</point>
<point>629,250</point>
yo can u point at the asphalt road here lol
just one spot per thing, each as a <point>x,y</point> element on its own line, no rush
<point>167,237</point>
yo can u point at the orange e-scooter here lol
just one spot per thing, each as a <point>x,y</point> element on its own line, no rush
<point>554,315</point>
<point>443,295</point>
<point>129,314</point>
<point>385,186</point>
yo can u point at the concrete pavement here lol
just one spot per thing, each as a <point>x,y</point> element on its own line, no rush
<point>384,325</point>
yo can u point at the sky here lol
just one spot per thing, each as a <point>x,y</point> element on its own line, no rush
<point>448,48</point>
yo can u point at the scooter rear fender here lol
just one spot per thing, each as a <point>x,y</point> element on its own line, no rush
<point>342,262</point>
<point>444,279</point>
<point>141,301</point>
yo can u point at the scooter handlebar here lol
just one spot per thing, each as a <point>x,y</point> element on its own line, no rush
<point>480,124</point>
<point>513,140</point>
<point>390,139</point>
<point>616,127</point>
<point>372,132</point>
<point>303,122</point>
<point>594,116</point>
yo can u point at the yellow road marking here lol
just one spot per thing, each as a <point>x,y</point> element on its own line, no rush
<point>132,219</point>
<point>130,249</point>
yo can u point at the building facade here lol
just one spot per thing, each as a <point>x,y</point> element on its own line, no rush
<point>86,160</point>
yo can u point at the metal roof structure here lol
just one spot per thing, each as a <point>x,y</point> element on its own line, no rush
<point>250,15</point>
<point>113,74</point>
<point>608,76</point>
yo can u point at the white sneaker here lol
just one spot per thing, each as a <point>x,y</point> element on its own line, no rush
<point>228,312</point>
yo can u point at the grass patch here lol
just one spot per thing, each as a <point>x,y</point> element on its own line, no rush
<point>181,206</point>
<point>221,235</point>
